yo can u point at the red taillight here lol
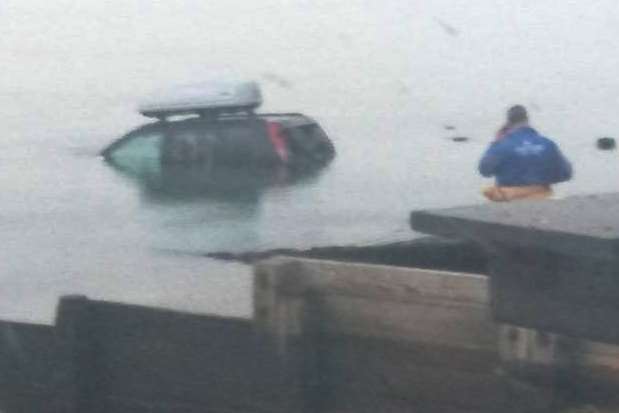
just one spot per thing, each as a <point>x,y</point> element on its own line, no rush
<point>276,136</point>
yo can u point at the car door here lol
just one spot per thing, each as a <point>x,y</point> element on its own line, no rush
<point>244,143</point>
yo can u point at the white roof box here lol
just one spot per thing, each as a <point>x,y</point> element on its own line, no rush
<point>219,96</point>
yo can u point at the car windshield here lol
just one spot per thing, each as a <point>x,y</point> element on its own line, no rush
<point>139,154</point>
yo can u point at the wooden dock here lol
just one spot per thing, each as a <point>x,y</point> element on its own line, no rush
<point>326,337</point>
<point>402,338</point>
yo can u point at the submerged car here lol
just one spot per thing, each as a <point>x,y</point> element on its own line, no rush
<point>220,128</point>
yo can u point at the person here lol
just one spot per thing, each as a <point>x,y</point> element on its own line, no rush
<point>524,163</point>
<point>516,117</point>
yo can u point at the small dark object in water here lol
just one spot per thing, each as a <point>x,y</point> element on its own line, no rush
<point>460,139</point>
<point>449,29</point>
<point>449,127</point>
<point>606,143</point>
<point>277,80</point>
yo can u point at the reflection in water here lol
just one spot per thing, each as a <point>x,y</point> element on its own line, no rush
<point>197,208</point>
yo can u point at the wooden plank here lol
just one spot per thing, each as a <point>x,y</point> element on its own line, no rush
<point>438,322</point>
<point>189,358</point>
<point>144,359</point>
<point>379,371</point>
<point>299,276</point>
<point>376,301</point>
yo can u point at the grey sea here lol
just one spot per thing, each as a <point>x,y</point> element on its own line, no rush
<point>391,82</point>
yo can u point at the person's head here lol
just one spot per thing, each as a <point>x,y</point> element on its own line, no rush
<point>517,114</point>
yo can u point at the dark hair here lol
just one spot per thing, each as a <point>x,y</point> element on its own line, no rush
<point>516,114</point>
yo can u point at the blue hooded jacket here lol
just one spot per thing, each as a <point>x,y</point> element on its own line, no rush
<point>523,157</point>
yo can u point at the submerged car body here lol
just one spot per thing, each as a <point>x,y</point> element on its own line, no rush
<point>219,144</point>
<point>243,140</point>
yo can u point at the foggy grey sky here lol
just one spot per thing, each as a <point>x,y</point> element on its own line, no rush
<point>385,56</point>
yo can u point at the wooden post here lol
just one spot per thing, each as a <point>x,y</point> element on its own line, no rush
<point>317,375</point>
<point>76,323</point>
<point>292,323</point>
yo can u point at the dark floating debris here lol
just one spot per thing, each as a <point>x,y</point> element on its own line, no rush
<point>448,28</point>
<point>606,143</point>
<point>460,138</point>
<point>403,89</point>
<point>449,127</point>
<point>277,80</point>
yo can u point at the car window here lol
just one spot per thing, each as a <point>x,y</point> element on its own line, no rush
<point>239,131</point>
<point>138,146</point>
<point>306,136</point>
<point>138,154</point>
<point>317,132</point>
<point>243,142</point>
<point>190,143</point>
<point>182,145</point>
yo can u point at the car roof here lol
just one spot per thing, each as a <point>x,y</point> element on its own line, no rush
<point>287,119</point>
<point>290,119</point>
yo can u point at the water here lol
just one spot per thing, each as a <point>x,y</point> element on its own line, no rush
<point>383,79</point>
